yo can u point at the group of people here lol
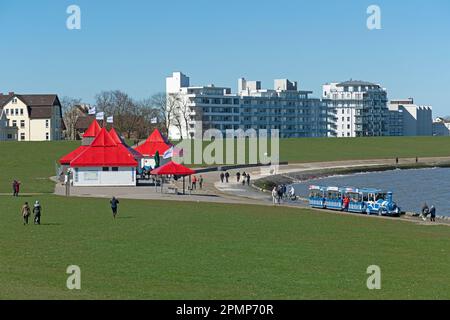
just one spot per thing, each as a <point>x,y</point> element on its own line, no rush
<point>196,180</point>
<point>243,178</point>
<point>26,213</point>
<point>282,192</point>
<point>431,211</point>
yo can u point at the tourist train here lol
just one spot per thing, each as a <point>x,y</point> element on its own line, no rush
<point>368,201</point>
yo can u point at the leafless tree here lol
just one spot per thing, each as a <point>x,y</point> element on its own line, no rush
<point>71,111</point>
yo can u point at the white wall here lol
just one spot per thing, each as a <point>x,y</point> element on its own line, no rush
<point>83,177</point>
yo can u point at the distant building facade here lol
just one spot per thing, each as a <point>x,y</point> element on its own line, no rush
<point>284,108</point>
<point>356,109</point>
<point>441,127</point>
<point>36,117</point>
<point>409,119</point>
<point>7,133</point>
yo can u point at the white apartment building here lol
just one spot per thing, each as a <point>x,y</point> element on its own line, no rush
<point>36,117</point>
<point>284,108</point>
<point>409,119</point>
<point>356,109</point>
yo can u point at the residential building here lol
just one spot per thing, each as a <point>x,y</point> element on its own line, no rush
<point>409,119</point>
<point>284,108</point>
<point>356,109</point>
<point>38,117</point>
<point>441,127</point>
<point>7,133</point>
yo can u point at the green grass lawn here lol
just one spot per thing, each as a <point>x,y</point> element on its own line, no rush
<point>32,163</point>
<point>158,250</point>
<point>333,149</point>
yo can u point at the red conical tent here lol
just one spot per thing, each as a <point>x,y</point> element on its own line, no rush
<point>117,139</point>
<point>93,130</point>
<point>155,142</point>
<point>72,155</point>
<point>105,152</point>
<point>173,168</point>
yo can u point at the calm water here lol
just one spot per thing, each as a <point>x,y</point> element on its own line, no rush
<point>411,187</point>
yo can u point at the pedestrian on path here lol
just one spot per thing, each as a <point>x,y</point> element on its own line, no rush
<point>114,205</point>
<point>200,182</point>
<point>194,183</point>
<point>37,210</point>
<point>433,214</point>
<point>26,212</point>
<point>227,177</point>
<point>238,177</point>
<point>16,188</point>
<point>275,195</point>
<point>222,177</point>
<point>248,179</point>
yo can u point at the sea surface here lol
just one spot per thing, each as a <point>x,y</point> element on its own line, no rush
<point>411,188</point>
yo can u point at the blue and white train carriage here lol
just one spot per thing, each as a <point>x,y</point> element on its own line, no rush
<point>369,201</point>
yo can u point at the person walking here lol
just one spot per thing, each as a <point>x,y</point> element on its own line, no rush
<point>37,211</point>
<point>194,183</point>
<point>280,194</point>
<point>425,211</point>
<point>200,182</point>
<point>26,212</point>
<point>227,177</point>
<point>248,179</point>
<point>346,203</point>
<point>433,214</point>
<point>238,177</point>
<point>222,177</point>
<point>15,188</point>
<point>114,205</point>
<point>274,195</point>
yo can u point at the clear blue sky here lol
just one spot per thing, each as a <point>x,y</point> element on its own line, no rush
<point>133,45</point>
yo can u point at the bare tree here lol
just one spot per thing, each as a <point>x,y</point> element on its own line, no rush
<point>71,111</point>
<point>182,114</point>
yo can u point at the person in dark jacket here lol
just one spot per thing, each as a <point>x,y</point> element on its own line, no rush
<point>227,176</point>
<point>248,179</point>
<point>238,177</point>
<point>222,177</point>
<point>114,205</point>
<point>37,211</point>
<point>425,211</point>
<point>433,214</point>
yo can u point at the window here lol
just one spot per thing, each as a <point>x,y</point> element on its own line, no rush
<point>47,122</point>
<point>14,123</point>
<point>17,112</point>
<point>10,136</point>
<point>7,112</point>
<point>22,136</point>
<point>47,136</point>
<point>115,169</point>
<point>21,112</point>
<point>105,169</point>
<point>14,101</point>
<point>22,124</point>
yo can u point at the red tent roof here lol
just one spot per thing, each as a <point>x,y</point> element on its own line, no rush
<point>117,139</point>
<point>115,136</point>
<point>155,142</point>
<point>173,168</point>
<point>72,155</point>
<point>93,130</point>
<point>105,152</point>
